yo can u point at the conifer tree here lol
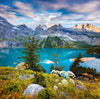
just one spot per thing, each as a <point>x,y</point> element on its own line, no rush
<point>60,68</point>
<point>55,56</point>
<point>31,58</point>
<point>75,65</point>
<point>51,68</point>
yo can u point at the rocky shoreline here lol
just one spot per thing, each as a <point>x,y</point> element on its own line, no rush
<point>84,59</point>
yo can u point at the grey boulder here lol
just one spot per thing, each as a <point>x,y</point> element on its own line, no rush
<point>32,89</point>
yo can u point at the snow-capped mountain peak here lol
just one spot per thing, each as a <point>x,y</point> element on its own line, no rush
<point>42,27</point>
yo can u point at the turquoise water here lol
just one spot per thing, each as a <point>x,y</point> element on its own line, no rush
<point>9,56</point>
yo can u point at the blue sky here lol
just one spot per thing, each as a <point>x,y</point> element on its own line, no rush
<point>49,12</point>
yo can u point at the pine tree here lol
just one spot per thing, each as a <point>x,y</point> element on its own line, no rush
<point>31,58</point>
<point>60,68</point>
<point>39,79</point>
<point>51,68</point>
<point>55,56</point>
<point>78,70</point>
<point>75,65</point>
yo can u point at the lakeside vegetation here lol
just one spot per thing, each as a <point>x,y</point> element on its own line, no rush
<point>95,50</point>
<point>79,71</point>
<point>31,59</point>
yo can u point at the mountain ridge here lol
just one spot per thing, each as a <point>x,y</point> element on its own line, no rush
<point>88,27</point>
<point>14,35</point>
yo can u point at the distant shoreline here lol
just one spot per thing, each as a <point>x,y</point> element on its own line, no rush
<point>84,59</point>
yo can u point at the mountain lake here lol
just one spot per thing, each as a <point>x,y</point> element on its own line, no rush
<point>8,57</point>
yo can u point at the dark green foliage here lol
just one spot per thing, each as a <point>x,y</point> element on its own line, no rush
<point>4,77</point>
<point>31,58</point>
<point>95,50</point>
<point>39,79</point>
<point>78,70</point>
<point>52,67</point>
<point>57,67</point>
<point>54,42</point>
<point>75,65</point>
<point>42,69</point>
<point>60,68</point>
<point>13,87</point>
<point>46,94</point>
<point>88,70</point>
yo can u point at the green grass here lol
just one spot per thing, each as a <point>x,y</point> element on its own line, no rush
<point>11,87</point>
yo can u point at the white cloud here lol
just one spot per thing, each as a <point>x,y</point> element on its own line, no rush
<point>24,9</point>
<point>4,13</point>
<point>87,12</point>
<point>70,17</point>
<point>87,7</point>
<point>46,17</point>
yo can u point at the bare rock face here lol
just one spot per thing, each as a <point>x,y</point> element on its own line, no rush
<point>9,32</point>
<point>88,27</point>
<point>80,26</point>
<point>91,28</point>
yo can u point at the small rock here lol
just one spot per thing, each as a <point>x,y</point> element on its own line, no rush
<point>26,76</point>
<point>67,74</point>
<point>55,72</point>
<point>71,81</point>
<point>32,89</point>
<point>71,74</point>
<point>22,77</point>
<point>80,87</point>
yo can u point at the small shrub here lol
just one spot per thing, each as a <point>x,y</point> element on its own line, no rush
<point>46,94</point>
<point>13,87</point>
<point>4,77</point>
<point>39,79</point>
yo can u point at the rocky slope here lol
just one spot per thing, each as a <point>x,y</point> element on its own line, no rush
<point>69,34</point>
<point>9,33</point>
<point>87,27</point>
<point>13,36</point>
